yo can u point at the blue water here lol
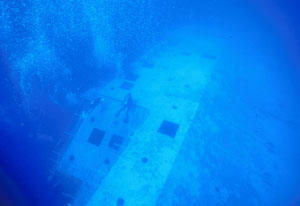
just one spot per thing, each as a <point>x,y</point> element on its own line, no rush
<point>242,146</point>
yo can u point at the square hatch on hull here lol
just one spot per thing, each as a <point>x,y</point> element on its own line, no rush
<point>168,128</point>
<point>96,137</point>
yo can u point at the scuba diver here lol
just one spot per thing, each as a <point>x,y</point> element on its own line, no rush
<point>128,105</point>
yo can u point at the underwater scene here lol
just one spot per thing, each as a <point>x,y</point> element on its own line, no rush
<point>149,102</point>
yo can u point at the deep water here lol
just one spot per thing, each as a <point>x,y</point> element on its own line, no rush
<point>242,145</point>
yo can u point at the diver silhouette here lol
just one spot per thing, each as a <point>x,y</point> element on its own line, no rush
<point>128,105</point>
